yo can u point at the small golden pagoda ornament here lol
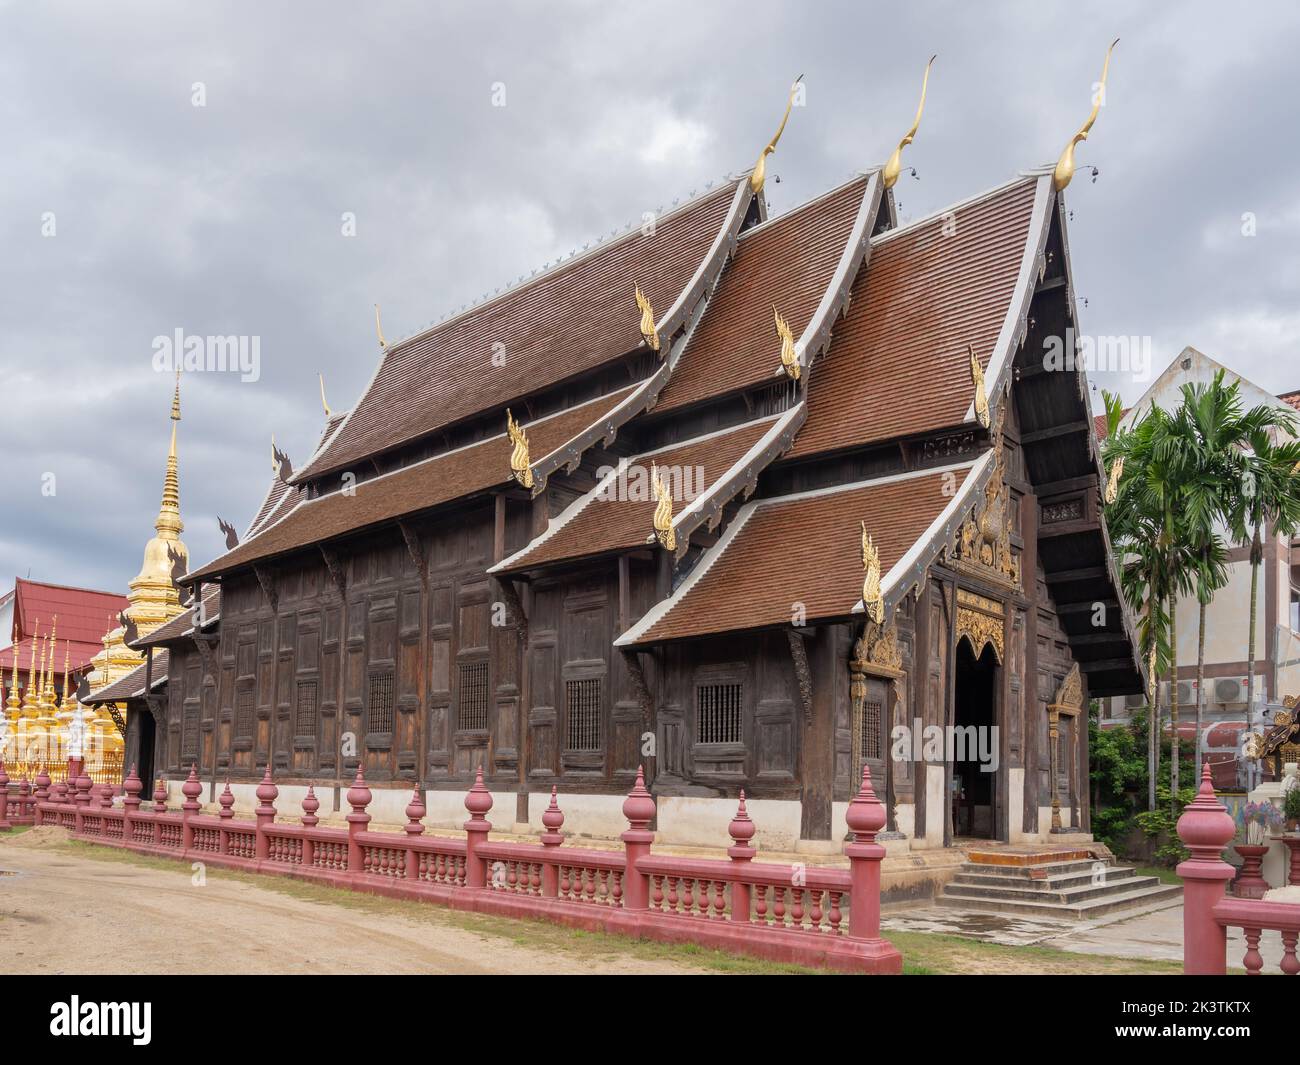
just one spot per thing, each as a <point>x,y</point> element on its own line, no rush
<point>981,396</point>
<point>648,331</point>
<point>1065,165</point>
<point>873,601</point>
<point>894,167</point>
<point>663,520</point>
<point>789,354</point>
<point>520,466</point>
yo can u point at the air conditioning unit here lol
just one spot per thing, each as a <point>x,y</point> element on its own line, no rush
<point>1134,701</point>
<point>1230,691</point>
<point>1187,693</point>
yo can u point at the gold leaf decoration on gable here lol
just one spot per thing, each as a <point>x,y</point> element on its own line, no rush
<point>648,331</point>
<point>520,466</point>
<point>981,399</point>
<point>663,519</point>
<point>983,543</point>
<point>789,354</point>
<point>1112,481</point>
<point>981,630</point>
<point>1069,696</point>
<point>873,600</point>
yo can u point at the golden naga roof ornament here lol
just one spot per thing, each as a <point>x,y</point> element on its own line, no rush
<point>759,174</point>
<point>1112,481</point>
<point>894,168</point>
<point>663,520</point>
<point>379,331</point>
<point>520,466</point>
<point>1065,165</point>
<point>789,353</point>
<point>873,600</point>
<point>323,401</point>
<point>981,395</point>
<point>648,331</point>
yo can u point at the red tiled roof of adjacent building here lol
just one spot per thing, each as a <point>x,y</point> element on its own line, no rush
<point>84,616</point>
<point>571,319</point>
<point>805,550</point>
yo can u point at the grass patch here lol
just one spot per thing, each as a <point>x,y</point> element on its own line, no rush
<point>1166,875</point>
<point>940,954</point>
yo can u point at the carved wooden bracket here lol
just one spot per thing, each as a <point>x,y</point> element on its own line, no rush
<point>639,686</point>
<point>799,655</point>
<point>336,569</point>
<point>415,550</point>
<point>266,578</point>
<point>207,645</point>
<point>118,720</point>
<point>157,705</point>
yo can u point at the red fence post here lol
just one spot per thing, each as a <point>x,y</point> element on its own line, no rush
<point>4,798</point>
<point>415,811</point>
<point>638,808</point>
<point>552,821</point>
<point>310,804</point>
<point>226,800</point>
<point>42,792</point>
<point>265,814</point>
<point>865,817</point>
<point>130,802</point>
<point>26,805</point>
<point>1205,829</point>
<point>191,789</point>
<point>741,831</point>
<point>478,801</point>
<point>358,798</point>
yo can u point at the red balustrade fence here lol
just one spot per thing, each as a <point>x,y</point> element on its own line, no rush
<point>1206,828</point>
<point>820,917</point>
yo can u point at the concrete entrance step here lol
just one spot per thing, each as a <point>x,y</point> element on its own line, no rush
<point>1068,896</point>
<point>1139,900</point>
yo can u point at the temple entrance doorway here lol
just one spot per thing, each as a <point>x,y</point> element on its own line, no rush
<point>973,748</point>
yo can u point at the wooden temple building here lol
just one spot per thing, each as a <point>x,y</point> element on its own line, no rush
<point>751,501</point>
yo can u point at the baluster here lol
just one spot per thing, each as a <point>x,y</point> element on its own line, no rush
<point>618,888</point>
<point>1253,961</point>
<point>688,896</point>
<point>657,892</point>
<point>835,916</point>
<point>535,878</point>
<point>719,899</point>
<point>1290,965</point>
<point>816,911</point>
<point>602,894</point>
<point>672,894</point>
<point>778,908</point>
<point>796,911</point>
<point>590,892</point>
<point>760,904</point>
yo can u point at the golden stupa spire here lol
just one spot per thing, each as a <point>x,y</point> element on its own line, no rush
<point>1065,165</point>
<point>894,168</point>
<point>47,688</point>
<point>67,677</point>
<point>29,699</point>
<point>12,702</point>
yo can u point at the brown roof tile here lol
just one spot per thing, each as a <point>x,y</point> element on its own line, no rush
<point>897,363</point>
<point>571,319</point>
<point>788,262</point>
<point>617,514</point>
<point>440,479</point>
<point>132,685</point>
<point>803,549</point>
<point>183,622</point>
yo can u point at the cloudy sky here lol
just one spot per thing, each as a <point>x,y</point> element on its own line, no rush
<point>128,212</point>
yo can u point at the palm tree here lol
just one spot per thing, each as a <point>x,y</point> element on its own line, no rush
<point>1267,496</point>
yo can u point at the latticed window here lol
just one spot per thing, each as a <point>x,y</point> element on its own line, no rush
<point>718,713</point>
<point>582,706</point>
<point>190,733</point>
<point>872,709</point>
<point>244,715</point>
<point>379,701</point>
<point>473,696</point>
<point>305,708</point>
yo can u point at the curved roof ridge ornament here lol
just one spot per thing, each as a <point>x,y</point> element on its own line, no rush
<point>894,167</point>
<point>1065,164</point>
<point>789,351</point>
<point>981,400</point>
<point>323,402</point>
<point>873,599</point>
<point>759,173</point>
<point>649,333</point>
<point>379,331</point>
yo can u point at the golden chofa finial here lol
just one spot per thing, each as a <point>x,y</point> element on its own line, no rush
<point>648,331</point>
<point>977,381</point>
<point>759,173</point>
<point>789,354</point>
<point>1065,165</point>
<point>323,402</point>
<point>872,599</point>
<point>663,520</point>
<point>521,468</point>
<point>894,168</point>
<point>379,331</point>
<point>1112,482</point>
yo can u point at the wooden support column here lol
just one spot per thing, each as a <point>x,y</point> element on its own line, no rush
<point>817,751</point>
<point>1034,723</point>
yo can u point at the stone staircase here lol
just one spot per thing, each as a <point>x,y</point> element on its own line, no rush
<point>1066,885</point>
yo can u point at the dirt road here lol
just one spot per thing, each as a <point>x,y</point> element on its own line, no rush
<point>64,911</point>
